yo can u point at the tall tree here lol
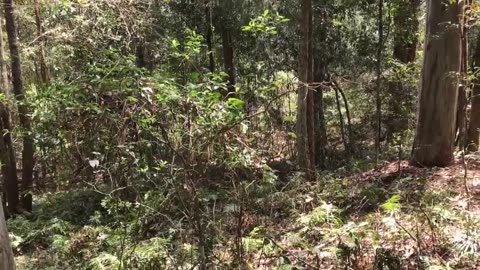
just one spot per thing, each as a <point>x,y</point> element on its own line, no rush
<point>473,139</point>
<point>435,131</point>
<point>305,104</point>
<point>320,125</point>
<point>461,123</point>
<point>7,151</point>
<point>379,81</point>
<point>44,73</point>
<point>209,35</point>
<point>23,108</point>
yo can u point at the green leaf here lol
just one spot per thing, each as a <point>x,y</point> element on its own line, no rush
<point>392,204</point>
<point>175,43</point>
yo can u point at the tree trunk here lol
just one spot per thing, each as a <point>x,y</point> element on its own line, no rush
<point>228,58</point>
<point>209,35</point>
<point>5,82</point>
<point>435,131</point>
<point>7,151</point>
<point>351,144</point>
<point>23,109</point>
<point>461,123</point>
<point>473,140</point>
<point>340,118</point>
<point>320,125</point>
<point>7,261</point>
<point>45,76</point>
<point>405,41</point>
<point>379,81</point>
<point>305,108</point>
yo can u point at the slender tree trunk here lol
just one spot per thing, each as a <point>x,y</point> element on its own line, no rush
<point>7,150</point>
<point>473,140</point>
<point>461,126</point>
<point>23,108</point>
<point>379,81</point>
<point>209,35</point>
<point>7,261</point>
<point>5,82</point>
<point>340,118</point>
<point>45,76</point>
<point>351,145</point>
<point>405,41</point>
<point>435,131</point>
<point>305,107</point>
<point>228,58</point>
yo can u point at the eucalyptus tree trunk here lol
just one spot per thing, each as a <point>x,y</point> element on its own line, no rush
<point>473,139</point>
<point>305,104</point>
<point>7,150</point>
<point>7,261</point>
<point>461,123</point>
<point>435,131</point>
<point>320,125</point>
<point>23,108</point>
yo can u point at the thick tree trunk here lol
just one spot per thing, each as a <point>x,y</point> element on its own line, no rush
<point>473,140</point>
<point>23,109</point>
<point>228,58</point>
<point>405,41</point>
<point>320,125</point>
<point>305,107</point>
<point>7,261</point>
<point>7,151</point>
<point>435,131</point>
<point>461,123</point>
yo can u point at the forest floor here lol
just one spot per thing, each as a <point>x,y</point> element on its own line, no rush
<point>433,223</point>
<point>394,217</point>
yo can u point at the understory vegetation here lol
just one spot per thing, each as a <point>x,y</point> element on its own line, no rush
<point>240,134</point>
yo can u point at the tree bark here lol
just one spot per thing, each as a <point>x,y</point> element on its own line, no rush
<point>23,108</point>
<point>320,125</point>
<point>461,123</point>
<point>7,151</point>
<point>435,131</point>
<point>473,140</point>
<point>7,261</point>
<point>305,107</point>
<point>379,81</point>
<point>5,82</point>
<point>340,118</point>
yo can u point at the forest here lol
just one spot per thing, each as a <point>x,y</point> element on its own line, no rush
<point>240,134</point>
